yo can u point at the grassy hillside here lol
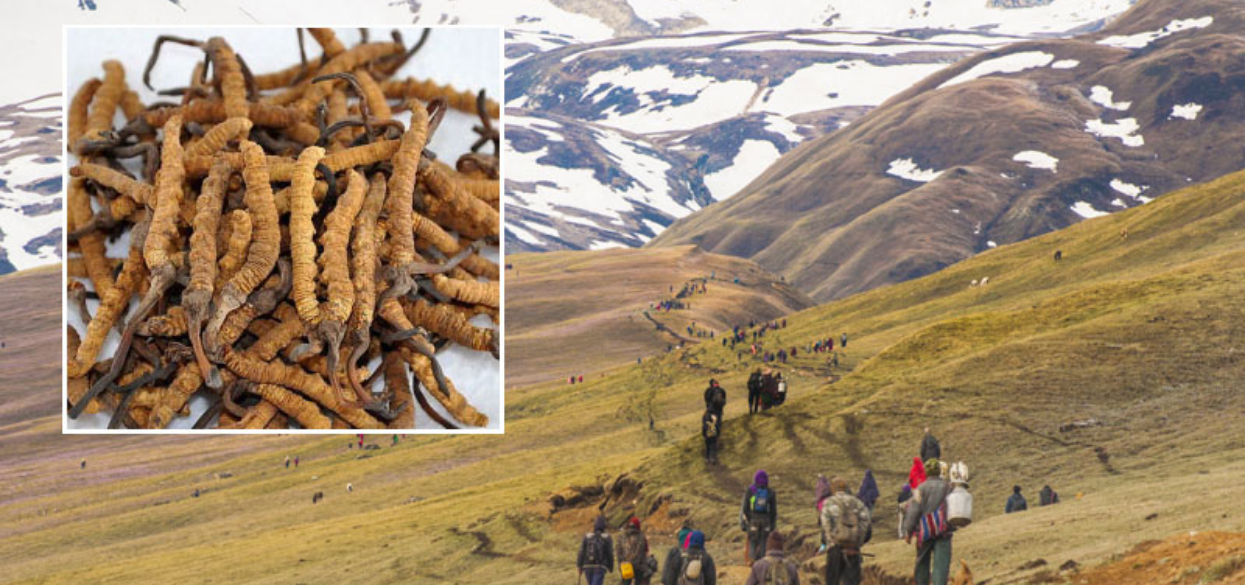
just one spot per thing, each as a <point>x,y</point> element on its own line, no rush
<point>1141,333</point>
<point>580,312</point>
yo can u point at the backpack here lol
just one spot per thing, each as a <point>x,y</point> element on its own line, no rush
<point>848,525</point>
<point>932,525</point>
<point>776,572</point>
<point>718,398</point>
<point>632,559</point>
<point>711,425</point>
<point>692,571</point>
<point>760,500</point>
<point>595,552</point>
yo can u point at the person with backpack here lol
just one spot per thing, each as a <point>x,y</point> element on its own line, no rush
<point>926,520</point>
<point>760,514</point>
<point>930,448</point>
<point>693,566</point>
<point>847,525</point>
<point>769,389</point>
<point>1016,503</point>
<point>715,398</point>
<point>780,392</point>
<point>754,391</point>
<point>711,429</point>
<point>596,554</point>
<point>774,569</point>
<point>633,558</point>
<point>1048,497</point>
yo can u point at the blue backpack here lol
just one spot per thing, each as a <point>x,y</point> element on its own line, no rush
<point>760,501</point>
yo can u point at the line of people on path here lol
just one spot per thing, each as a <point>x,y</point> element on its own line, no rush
<point>1017,502</point>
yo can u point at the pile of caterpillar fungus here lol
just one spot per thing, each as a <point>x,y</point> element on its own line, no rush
<point>285,231</point>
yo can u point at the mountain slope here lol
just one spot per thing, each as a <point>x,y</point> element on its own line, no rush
<point>1141,333</point>
<point>574,313</point>
<point>1003,146</point>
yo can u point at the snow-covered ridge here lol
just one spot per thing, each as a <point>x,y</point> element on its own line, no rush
<point>31,210</point>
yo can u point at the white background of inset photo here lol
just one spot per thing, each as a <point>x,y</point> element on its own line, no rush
<point>465,57</point>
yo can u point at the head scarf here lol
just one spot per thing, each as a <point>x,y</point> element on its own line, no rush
<point>684,535</point>
<point>869,492</point>
<point>696,539</point>
<point>916,477</point>
<point>760,480</point>
<point>634,522</point>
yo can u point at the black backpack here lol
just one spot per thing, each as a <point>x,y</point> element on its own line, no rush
<point>596,550</point>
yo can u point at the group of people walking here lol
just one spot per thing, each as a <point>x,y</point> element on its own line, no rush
<point>766,389</point>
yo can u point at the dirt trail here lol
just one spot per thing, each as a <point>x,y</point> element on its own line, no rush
<point>1186,559</point>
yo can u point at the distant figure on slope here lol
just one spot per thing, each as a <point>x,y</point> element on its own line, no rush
<point>1047,496</point>
<point>930,447</point>
<point>846,526</point>
<point>774,569</point>
<point>82,464</point>
<point>715,398</point>
<point>350,488</point>
<point>769,388</point>
<point>296,462</point>
<point>1016,503</point>
<point>287,461</point>
<point>869,492</point>
<point>926,520</point>
<point>711,430</point>
<point>395,440</point>
<point>632,554</point>
<point>1058,255</point>
<point>596,553</point>
<point>760,512</point>
<point>694,565</point>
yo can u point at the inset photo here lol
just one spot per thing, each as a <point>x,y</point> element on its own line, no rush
<point>279,229</point>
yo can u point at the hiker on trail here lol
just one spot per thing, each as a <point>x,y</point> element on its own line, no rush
<point>82,464</point>
<point>675,554</point>
<point>296,462</point>
<point>395,440</point>
<point>769,388</point>
<point>633,555</point>
<point>1047,496</point>
<point>596,553</point>
<point>905,496</point>
<point>581,379</point>
<point>287,461</point>
<point>822,493</point>
<point>1016,503</point>
<point>869,492</point>
<point>927,521</point>
<point>774,568</point>
<point>917,475</point>
<point>930,447</point>
<point>759,513</point>
<point>715,398</point>
<point>846,526</point>
<point>843,341</point>
<point>350,488</point>
<point>693,566</point>
<point>711,430</point>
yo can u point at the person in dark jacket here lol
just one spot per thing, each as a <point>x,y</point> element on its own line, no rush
<point>1047,496</point>
<point>930,448</point>
<point>760,511</point>
<point>596,554</point>
<point>775,560</point>
<point>933,558</point>
<point>869,492</point>
<point>754,391</point>
<point>715,397</point>
<point>1016,503</point>
<point>633,548</point>
<point>711,430</point>
<point>695,550</point>
<point>675,554</point>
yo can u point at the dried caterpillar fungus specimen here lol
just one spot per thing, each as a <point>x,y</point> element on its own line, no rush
<point>286,231</point>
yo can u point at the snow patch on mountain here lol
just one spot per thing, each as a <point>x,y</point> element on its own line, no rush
<point>1087,211</point>
<point>1125,129</point>
<point>906,168</point>
<point>1142,40</point>
<point>1187,111</point>
<point>1102,95</point>
<point>1013,63</point>
<point>1037,160</point>
<point>846,83</point>
<point>754,157</point>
